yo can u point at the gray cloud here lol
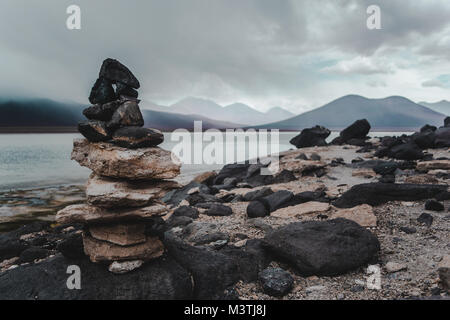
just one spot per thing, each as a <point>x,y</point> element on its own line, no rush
<point>253,51</point>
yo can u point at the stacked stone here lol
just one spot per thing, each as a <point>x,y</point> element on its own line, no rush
<point>129,175</point>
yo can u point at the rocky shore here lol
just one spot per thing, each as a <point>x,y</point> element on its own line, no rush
<point>330,220</point>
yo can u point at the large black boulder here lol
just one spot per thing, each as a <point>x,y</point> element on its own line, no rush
<point>212,272</point>
<point>116,72</point>
<point>102,92</point>
<point>137,137</point>
<point>160,279</point>
<point>379,193</point>
<point>277,199</point>
<point>323,248</point>
<point>94,130</point>
<point>257,209</point>
<point>311,137</point>
<point>250,259</point>
<point>406,151</point>
<point>424,139</point>
<point>442,137</point>
<point>357,130</point>
<point>447,122</point>
<point>428,127</point>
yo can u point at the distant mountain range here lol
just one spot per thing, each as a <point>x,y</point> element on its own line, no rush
<point>39,112</point>
<point>392,113</point>
<point>236,113</point>
<point>18,114</point>
<point>441,106</point>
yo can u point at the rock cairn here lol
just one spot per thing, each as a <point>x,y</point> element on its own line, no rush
<point>130,175</point>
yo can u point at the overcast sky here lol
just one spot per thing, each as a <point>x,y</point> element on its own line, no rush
<point>296,54</point>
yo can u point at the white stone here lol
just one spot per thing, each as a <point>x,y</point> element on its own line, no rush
<point>121,267</point>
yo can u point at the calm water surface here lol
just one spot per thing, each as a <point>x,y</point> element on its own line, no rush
<point>35,160</point>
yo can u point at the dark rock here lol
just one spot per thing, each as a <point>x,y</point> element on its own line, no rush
<point>311,137</point>
<point>219,210</point>
<point>306,196</point>
<point>72,246</point>
<point>408,230</point>
<point>302,156</point>
<point>177,221</point>
<point>428,127</point>
<point>388,178</point>
<point>358,130</point>
<point>127,114</point>
<point>262,180</point>
<point>237,170</point>
<point>442,137</point>
<point>162,278</point>
<point>277,199</point>
<point>315,157</point>
<point>378,193</point>
<point>276,281</point>
<point>284,176</point>
<point>424,139</point>
<point>357,160</point>
<point>442,196</point>
<point>137,137</point>
<point>257,209</point>
<point>124,90</point>
<point>447,122</point>
<point>357,142</point>
<point>320,172</point>
<point>323,248</point>
<point>251,259</point>
<point>33,253</point>
<point>116,72</point>
<point>426,219</point>
<point>337,162</point>
<point>257,194</point>
<point>10,243</point>
<point>384,168</point>
<point>102,92</point>
<point>94,130</point>
<point>212,271</point>
<point>434,205</point>
<point>197,198</point>
<point>186,211</point>
<point>200,233</point>
<point>407,151</point>
<point>174,197</point>
<point>102,112</point>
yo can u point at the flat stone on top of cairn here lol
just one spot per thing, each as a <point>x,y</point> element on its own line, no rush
<point>127,183</point>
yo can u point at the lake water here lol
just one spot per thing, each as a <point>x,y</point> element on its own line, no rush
<point>37,160</point>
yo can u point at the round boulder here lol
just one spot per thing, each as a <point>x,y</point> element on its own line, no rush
<point>275,281</point>
<point>323,248</point>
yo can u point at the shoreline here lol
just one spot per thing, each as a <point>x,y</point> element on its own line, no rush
<point>69,130</point>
